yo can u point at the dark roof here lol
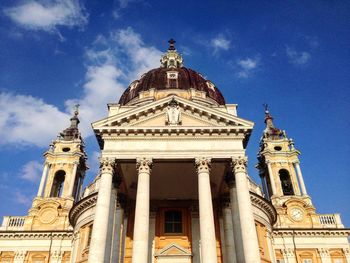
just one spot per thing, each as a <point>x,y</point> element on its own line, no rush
<point>157,79</point>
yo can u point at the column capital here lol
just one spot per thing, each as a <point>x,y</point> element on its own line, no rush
<point>203,164</point>
<point>346,251</point>
<point>144,164</point>
<point>239,164</point>
<point>324,252</point>
<point>107,165</point>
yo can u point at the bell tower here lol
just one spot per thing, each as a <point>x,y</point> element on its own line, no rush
<point>280,173</point>
<point>61,181</point>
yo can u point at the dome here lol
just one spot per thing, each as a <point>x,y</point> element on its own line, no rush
<point>172,75</point>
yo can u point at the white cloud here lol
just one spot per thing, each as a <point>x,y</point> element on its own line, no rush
<point>220,43</point>
<point>296,57</point>
<point>247,66</point>
<point>112,63</point>
<point>47,14</point>
<point>31,171</point>
<point>21,198</point>
<point>28,120</point>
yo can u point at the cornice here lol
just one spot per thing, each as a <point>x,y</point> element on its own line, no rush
<point>264,205</point>
<point>35,234</point>
<point>279,232</point>
<point>81,206</point>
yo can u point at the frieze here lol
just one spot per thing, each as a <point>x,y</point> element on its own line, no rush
<point>36,235</point>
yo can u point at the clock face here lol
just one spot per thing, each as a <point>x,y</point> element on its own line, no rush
<point>296,214</point>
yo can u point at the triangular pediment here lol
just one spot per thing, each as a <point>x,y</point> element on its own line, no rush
<point>184,113</point>
<point>173,250</point>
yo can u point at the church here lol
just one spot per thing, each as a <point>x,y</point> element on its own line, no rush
<point>173,187</point>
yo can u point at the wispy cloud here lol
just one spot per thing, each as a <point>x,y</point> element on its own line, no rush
<point>31,171</point>
<point>298,58</point>
<point>21,198</point>
<point>220,42</point>
<point>247,66</point>
<point>112,62</point>
<point>47,14</point>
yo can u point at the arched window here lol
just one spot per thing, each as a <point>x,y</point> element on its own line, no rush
<point>57,185</point>
<point>287,186</point>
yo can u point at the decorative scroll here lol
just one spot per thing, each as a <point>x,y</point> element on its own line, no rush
<point>107,165</point>
<point>144,164</point>
<point>239,164</point>
<point>203,164</point>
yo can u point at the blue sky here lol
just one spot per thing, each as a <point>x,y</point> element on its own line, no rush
<point>293,55</point>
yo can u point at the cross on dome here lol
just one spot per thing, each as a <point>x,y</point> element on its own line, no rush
<point>171,44</point>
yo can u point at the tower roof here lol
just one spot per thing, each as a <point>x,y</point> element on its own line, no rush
<point>159,79</point>
<point>271,131</point>
<point>72,132</point>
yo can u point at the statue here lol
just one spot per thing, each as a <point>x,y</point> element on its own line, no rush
<point>173,114</point>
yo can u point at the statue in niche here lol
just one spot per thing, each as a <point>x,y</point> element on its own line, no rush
<point>173,114</point>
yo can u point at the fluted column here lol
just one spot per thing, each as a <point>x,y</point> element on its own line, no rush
<point>228,234</point>
<point>43,179</point>
<point>141,225</point>
<point>300,178</point>
<point>245,210</point>
<point>272,179</point>
<point>98,252</point>
<point>206,215</point>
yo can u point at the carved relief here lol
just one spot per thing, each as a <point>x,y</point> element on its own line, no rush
<point>239,164</point>
<point>203,164</point>
<point>173,114</point>
<point>107,165</point>
<point>48,215</point>
<point>144,164</point>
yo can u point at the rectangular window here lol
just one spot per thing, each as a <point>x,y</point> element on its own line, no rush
<point>173,222</point>
<point>279,261</point>
<point>338,260</point>
<point>307,260</point>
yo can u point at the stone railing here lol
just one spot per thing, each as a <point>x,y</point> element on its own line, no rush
<point>12,223</point>
<point>330,220</point>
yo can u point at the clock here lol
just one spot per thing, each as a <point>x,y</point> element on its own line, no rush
<point>296,214</point>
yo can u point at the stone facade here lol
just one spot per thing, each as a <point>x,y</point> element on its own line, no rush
<point>173,188</point>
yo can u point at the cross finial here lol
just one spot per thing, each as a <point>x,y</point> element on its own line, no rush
<point>266,107</point>
<point>171,44</point>
<point>76,109</point>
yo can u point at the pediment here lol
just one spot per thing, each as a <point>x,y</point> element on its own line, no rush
<point>185,113</point>
<point>173,250</point>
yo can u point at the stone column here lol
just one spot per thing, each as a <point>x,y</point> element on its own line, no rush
<point>43,179</point>
<point>72,180</point>
<point>206,215</point>
<point>97,252</point>
<point>272,179</point>
<point>228,234</point>
<point>300,178</point>
<point>117,232</point>
<point>141,225</point>
<point>237,232</point>
<point>245,210</point>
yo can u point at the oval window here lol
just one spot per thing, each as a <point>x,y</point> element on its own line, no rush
<point>278,148</point>
<point>66,149</point>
